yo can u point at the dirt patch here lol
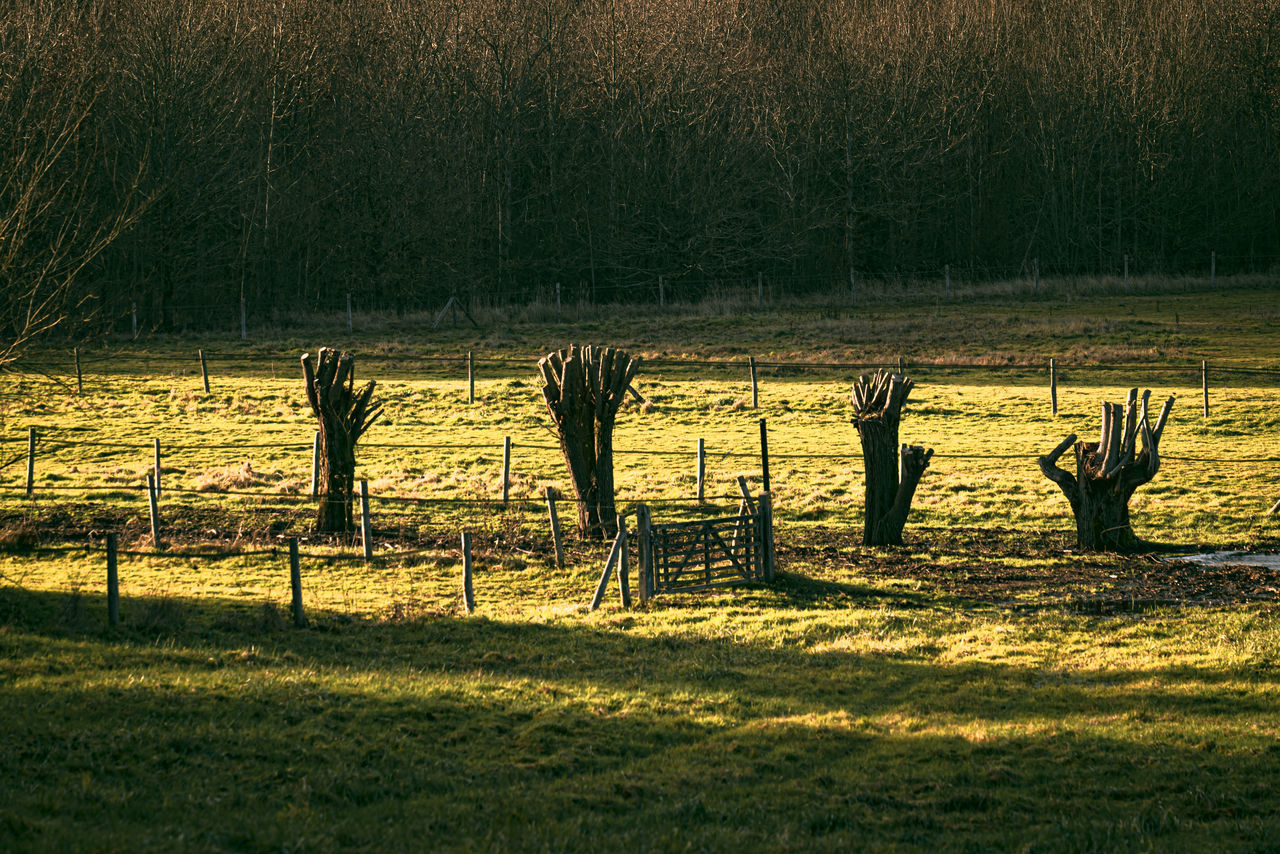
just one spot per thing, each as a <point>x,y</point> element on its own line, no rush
<point>1030,570</point>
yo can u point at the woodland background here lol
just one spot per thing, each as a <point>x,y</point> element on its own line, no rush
<point>185,155</point>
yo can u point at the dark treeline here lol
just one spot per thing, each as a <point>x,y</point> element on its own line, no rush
<point>186,154</point>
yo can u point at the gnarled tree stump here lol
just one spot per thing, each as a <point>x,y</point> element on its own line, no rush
<point>583,388</point>
<point>892,471</point>
<point>1108,472</point>
<point>344,415</point>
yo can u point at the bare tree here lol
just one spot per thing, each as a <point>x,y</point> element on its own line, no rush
<point>54,218</point>
<point>892,471</point>
<point>1108,472</point>
<point>344,415</point>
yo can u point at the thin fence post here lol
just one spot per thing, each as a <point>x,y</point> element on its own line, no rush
<point>155,444</point>
<point>1204,385</point>
<point>366,530</point>
<point>624,574</point>
<point>901,370</point>
<point>153,503</point>
<point>468,591</point>
<point>755,387</point>
<point>702,470</point>
<point>134,315</point>
<point>506,469</point>
<point>295,584</point>
<point>349,324</point>
<point>1053,386</point>
<point>766,533</point>
<point>31,461</point>
<point>204,372</point>
<point>244,320</point>
<point>764,453</point>
<point>645,551</point>
<point>662,293</point>
<point>315,465</point>
<point>79,375</point>
<point>471,377</point>
<point>609,564</point>
<point>554,519</point>
<point>113,582</point>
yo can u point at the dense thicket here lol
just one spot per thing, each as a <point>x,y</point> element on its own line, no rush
<point>290,152</point>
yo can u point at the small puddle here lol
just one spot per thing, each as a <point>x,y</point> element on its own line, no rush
<point>1231,559</point>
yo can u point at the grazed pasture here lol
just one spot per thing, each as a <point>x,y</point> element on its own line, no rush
<point>982,687</point>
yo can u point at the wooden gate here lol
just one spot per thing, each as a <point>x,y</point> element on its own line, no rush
<point>680,557</point>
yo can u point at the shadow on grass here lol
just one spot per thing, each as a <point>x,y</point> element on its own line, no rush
<point>237,733</point>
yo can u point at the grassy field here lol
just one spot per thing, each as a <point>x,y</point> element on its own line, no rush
<point>983,687</point>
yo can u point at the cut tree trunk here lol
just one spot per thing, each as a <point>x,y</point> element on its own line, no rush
<point>583,388</point>
<point>344,415</point>
<point>1108,472</point>
<point>892,471</point>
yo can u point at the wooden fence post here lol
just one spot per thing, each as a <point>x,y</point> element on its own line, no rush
<point>506,469</point>
<point>366,530</point>
<point>471,377</point>
<point>609,564</point>
<point>624,575</point>
<point>295,584</point>
<point>902,371</point>
<point>645,551</point>
<point>315,465</point>
<point>766,532</point>
<point>468,591</point>
<point>755,388</point>
<point>79,375</point>
<point>764,454</point>
<point>204,372</point>
<point>1204,385</point>
<point>134,314</point>
<point>662,293</point>
<point>1053,386</point>
<point>155,443</point>
<point>113,583</point>
<point>702,470</point>
<point>554,518</point>
<point>31,461</point>
<point>153,502</point>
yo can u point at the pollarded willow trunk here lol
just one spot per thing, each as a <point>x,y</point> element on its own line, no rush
<point>583,388</point>
<point>892,471</point>
<point>343,415</point>
<point>1108,472</point>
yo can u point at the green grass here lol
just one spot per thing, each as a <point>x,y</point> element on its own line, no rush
<point>982,687</point>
